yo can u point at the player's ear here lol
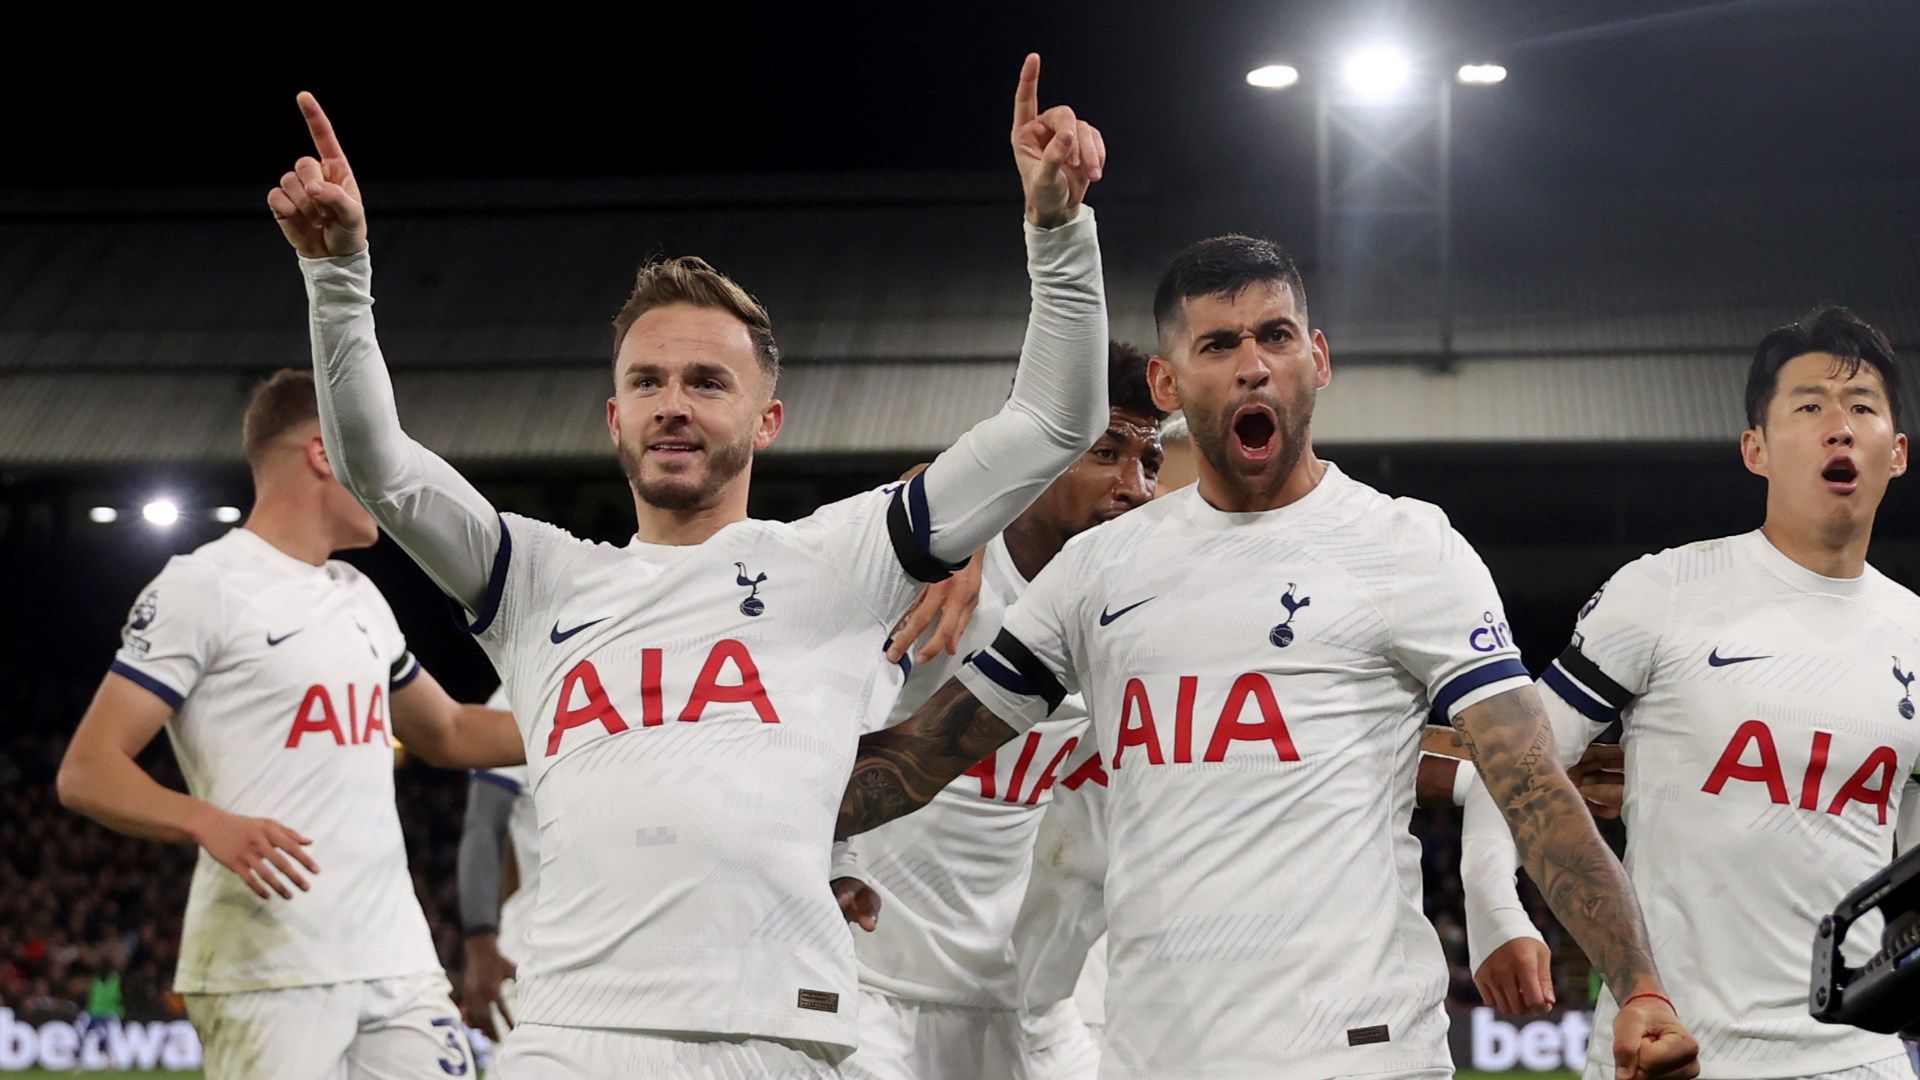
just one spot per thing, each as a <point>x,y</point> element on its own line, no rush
<point>1753,450</point>
<point>1322,361</point>
<point>771,417</point>
<point>316,455</point>
<point>613,420</point>
<point>1899,455</point>
<point>1166,397</point>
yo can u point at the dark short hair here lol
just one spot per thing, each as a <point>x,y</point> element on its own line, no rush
<point>1224,264</point>
<point>1127,387</point>
<point>1827,329</point>
<point>281,403</point>
<point>690,279</point>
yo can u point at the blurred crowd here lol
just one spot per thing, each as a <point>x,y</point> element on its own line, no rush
<point>90,919</point>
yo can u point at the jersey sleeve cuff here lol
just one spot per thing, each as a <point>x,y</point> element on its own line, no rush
<point>910,528</point>
<point>496,585</point>
<point>1019,711</point>
<point>405,670</point>
<point>1591,692</point>
<point>1473,686</point>
<point>488,777</point>
<point>168,694</point>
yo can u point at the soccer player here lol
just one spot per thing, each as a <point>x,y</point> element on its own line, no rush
<point>939,997</point>
<point>499,819</point>
<point>692,701</point>
<point>279,675</point>
<point>1764,685</point>
<point>1258,654</point>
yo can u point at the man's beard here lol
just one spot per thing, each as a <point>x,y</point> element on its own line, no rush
<point>1213,430</point>
<point>689,493</point>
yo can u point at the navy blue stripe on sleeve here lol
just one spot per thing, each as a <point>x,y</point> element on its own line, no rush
<point>1583,702</point>
<point>911,530</point>
<point>1040,681</point>
<point>139,678</point>
<point>496,582</point>
<point>1469,681</point>
<point>495,779</point>
<point>412,670</point>
<point>1599,683</point>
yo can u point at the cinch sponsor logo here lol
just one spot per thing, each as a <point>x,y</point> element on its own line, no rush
<point>1492,637</point>
<point>58,1046</point>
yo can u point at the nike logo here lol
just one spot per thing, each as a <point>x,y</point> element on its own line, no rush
<point>557,635</point>
<point>1107,616</point>
<point>1714,659</point>
<point>272,641</point>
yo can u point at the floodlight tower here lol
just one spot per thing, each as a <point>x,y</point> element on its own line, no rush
<point>1383,160</point>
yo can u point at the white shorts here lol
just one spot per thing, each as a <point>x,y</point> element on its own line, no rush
<point>1893,1068</point>
<point>381,1029</point>
<point>917,1040</point>
<point>548,1052</point>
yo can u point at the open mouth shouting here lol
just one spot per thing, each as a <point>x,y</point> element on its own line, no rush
<point>1254,432</point>
<point>1840,475</point>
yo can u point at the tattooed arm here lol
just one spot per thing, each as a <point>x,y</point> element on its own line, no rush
<point>901,768</point>
<point>1512,743</point>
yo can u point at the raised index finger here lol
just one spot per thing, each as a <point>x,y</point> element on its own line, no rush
<point>1026,99</point>
<point>320,128</point>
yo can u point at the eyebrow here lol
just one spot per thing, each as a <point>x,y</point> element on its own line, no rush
<point>698,370</point>
<point>1229,333</point>
<point>1855,391</point>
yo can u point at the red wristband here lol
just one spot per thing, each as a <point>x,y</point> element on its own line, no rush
<point>1648,993</point>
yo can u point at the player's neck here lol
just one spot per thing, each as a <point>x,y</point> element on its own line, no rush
<point>294,529</point>
<point>684,528</point>
<point>1835,550</point>
<point>1225,496</point>
<point>1032,544</point>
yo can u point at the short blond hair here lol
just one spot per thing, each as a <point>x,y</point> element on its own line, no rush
<point>690,279</point>
<point>283,402</point>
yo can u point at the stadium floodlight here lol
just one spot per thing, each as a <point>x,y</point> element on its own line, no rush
<point>1482,74</point>
<point>226,515</point>
<point>1378,73</point>
<point>161,512</point>
<point>1273,76</point>
<point>103,515</point>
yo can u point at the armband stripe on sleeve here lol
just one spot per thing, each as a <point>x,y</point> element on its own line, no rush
<point>1468,681</point>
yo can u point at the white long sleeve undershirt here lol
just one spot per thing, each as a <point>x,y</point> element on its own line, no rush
<point>1057,410</point>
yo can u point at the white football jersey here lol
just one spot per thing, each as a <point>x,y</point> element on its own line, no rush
<point>1059,937</point>
<point>523,839</point>
<point>950,875</point>
<point>280,673</point>
<point>691,715</point>
<point>1769,730</point>
<point>1258,683</point>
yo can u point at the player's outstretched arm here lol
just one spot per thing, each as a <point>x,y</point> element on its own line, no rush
<point>901,768</point>
<point>1513,745</point>
<point>1059,401</point>
<point>443,732</point>
<point>441,520</point>
<point>99,777</point>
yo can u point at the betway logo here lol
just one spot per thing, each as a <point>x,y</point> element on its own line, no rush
<point>58,1046</point>
<point>1539,1046</point>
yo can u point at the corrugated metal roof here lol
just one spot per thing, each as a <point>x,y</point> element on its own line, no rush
<point>1608,272</point>
<point>558,414</point>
